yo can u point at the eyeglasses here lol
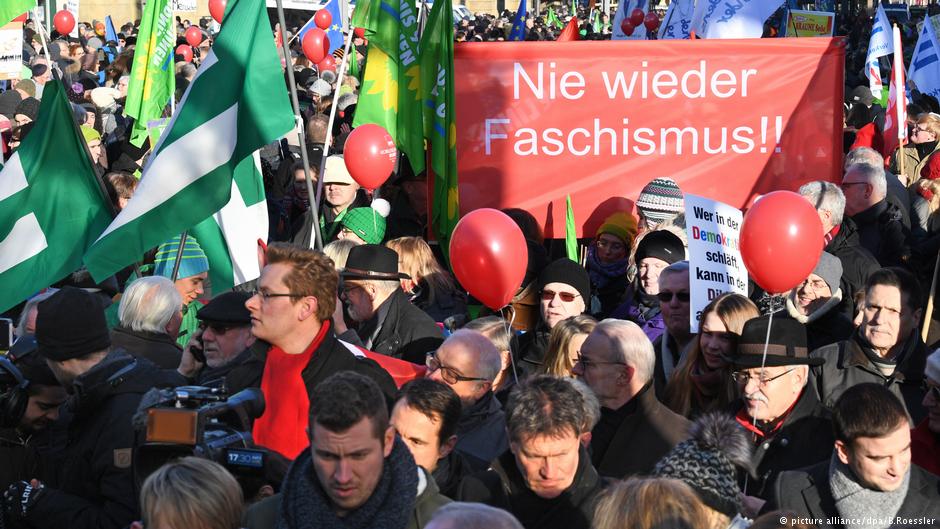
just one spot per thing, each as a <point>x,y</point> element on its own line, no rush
<point>743,377</point>
<point>347,288</point>
<point>567,297</point>
<point>850,184</point>
<point>217,328</point>
<point>933,390</point>
<point>586,363</point>
<point>265,295</point>
<point>609,245</point>
<point>815,285</point>
<point>666,297</point>
<point>449,375</point>
<point>919,129</point>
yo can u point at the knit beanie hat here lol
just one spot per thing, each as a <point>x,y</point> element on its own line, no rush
<point>660,244</point>
<point>621,225</point>
<point>932,370</point>
<point>28,107</point>
<point>367,223</point>
<point>660,200</point>
<point>71,324</point>
<point>829,267</point>
<point>708,461</point>
<point>194,259</point>
<point>28,86</point>
<point>90,134</point>
<point>566,271</point>
<point>321,88</point>
<point>931,170</point>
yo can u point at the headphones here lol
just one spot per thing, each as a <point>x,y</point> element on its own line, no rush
<point>13,400</point>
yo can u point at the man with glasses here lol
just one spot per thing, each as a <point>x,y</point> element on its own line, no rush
<point>290,316</point>
<point>789,427</point>
<point>670,346</point>
<point>886,348</point>
<point>468,362</point>
<point>925,438</point>
<point>881,229</point>
<point>635,430</point>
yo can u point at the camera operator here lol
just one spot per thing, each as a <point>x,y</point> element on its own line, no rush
<point>92,485</point>
<point>220,350</point>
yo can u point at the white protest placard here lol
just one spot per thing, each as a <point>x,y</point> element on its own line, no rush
<point>11,50</point>
<point>72,6</point>
<point>715,264</point>
<point>184,5</point>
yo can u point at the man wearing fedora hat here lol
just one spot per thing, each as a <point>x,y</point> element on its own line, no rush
<point>789,427</point>
<point>388,323</point>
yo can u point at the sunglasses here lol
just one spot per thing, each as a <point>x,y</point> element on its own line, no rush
<point>666,297</point>
<point>567,297</point>
<point>217,328</point>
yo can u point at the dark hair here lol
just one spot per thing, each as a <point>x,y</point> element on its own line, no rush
<point>436,401</point>
<point>867,410</point>
<point>545,405</point>
<point>899,278</point>
<point>344,399</point>
<point>527,223</point>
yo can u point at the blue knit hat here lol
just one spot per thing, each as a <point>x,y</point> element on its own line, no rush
<point>194,259</point>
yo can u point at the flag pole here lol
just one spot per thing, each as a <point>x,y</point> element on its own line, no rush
<point>179,256</point>
<point>42,37</point>
<point>298,123</point>
<point>930,301</point>
<point>899,93</point>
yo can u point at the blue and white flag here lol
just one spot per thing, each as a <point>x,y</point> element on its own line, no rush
<point>518,24</point>
<point>924,70</point>
<point>732,19</point>
<point>678,21</point>
<point>879,45</point>
<point>335,31</point>
<point>624,10</point>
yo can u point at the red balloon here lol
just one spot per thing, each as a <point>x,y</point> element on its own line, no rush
<point>64,22</point>
<point>21,18</point>
<point>360,32</point>
<point>217,9</point>
<point>323,19</point>
<point>627,27</point>
<point>193,36</point>
<point>781,240</point>
<point>651,21</point>
<point>316,45</point>
<point>489,256</point>
<point>636,17</point>
<point>328,63</point>
<point>186,51</point>
<point>370,155</point>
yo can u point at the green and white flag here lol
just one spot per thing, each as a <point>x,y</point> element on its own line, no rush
<point>10,9</point>
<point>51,205</point>
<point>236,104</point>
<point>153,76</point>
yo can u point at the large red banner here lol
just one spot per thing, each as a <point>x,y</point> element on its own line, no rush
<point>726,119</point>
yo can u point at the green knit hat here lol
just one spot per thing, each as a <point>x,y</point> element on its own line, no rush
<point>194,259</point>
<point>367,223</point>
<point>90,134</point>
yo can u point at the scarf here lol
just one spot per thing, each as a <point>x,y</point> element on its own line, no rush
<point>821,311</point>
<point>305,505</point>
<point>706,382</point>
<point>602,274</point>
<point>856,503</point>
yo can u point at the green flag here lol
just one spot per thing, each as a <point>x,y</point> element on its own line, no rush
<point>390,86</point>
<point>437,93</point>
<point>553,19</point>
<point>51,205</point>
<point>10,9</point>
<point>236,104</point>
<point>153,76</point>
<point>571,233</point>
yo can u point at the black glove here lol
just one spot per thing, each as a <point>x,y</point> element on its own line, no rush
<point>20,497</point>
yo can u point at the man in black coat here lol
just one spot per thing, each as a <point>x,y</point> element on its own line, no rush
<point>388,323</point>
<point>92,484</point>
<point>869,475</point>
<point>880,225</point>
<point>635,429</point>
<point>545,419</point>
<point>150,321</point>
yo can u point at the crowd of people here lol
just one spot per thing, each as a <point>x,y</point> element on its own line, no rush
<point>392,399</point>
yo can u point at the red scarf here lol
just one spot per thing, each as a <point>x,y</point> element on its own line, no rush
<point>746,421</point>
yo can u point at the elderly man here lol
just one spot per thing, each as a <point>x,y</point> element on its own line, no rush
<point>546,479</point>
<point>468,362</point>
<point>886,348</point>
<point>897,190</point>
<point>388,323</point>
<point>787,424</point>
<point>869,476</point>
<point>635,430</point>
<point>150,321</point>
<point>670,346</point>
<point>815,304</point>
<point>925,439</point>
<point>290,317</point>
<point>880,227</point>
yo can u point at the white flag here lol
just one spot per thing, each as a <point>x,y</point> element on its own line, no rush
<point>678,21</point>
<point>732,19</point>
<point>879,45</point>
<point>624,10</point>
<point>924,70</point>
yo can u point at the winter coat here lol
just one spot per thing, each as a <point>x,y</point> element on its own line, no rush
<point>881,232</point>
<point>826,325</point>
<point>649,319</point>
<point>925,448</point>
<point>914,161</point>
<point>242,372</point>
<point>481,433</point>
<point>404,331</point>
<point>159,348</point>
<point>857,263</point>
<point>529,349</point>
<point>445,304</point>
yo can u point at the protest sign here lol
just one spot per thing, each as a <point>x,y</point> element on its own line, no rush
<point>11,50</point>
<point>598,120</point>
<point>72,6</point>
<point>715,264</point>
<point>184,5</point>
<point>809,23</point>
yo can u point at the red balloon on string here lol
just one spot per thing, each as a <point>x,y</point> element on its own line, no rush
<point>217,9</point>
<point>316,45</point>
<point>64,22</point>
<point>651,21</point>
<point>193,36</point>
<point>370,155</point>
<point>328,63</point>
<point>186,51</point>
<point>781,240</point>
<point>636,17</point>
<point>489,256</point>
<point>22,18</point>
<point>323,19</point>
<point>360,32</point>
<point>627,27</point>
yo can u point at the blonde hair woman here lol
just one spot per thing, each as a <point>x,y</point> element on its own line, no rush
<point>564,344</point>
<point>434,289</point>
<point>650,503</point>
<point>191,493</point>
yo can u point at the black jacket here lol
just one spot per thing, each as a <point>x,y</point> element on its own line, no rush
<point>806,493</point>
<point>529,350</point>
<point>244,371</point>
<point>406,332</point>
<point>481,433</point>
<point>504,487</point>
<point>159,348</point>
<point>857,263</point>
<point>93,484</point>
<point>881,231</point>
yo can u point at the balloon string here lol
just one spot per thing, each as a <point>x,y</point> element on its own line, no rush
<point>763,363</point>
<point>508,324</point>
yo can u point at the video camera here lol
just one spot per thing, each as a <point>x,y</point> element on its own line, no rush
<point>199,421</point>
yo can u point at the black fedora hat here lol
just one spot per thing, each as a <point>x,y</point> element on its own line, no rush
<point>372,261</point>
<point>786,345</point>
